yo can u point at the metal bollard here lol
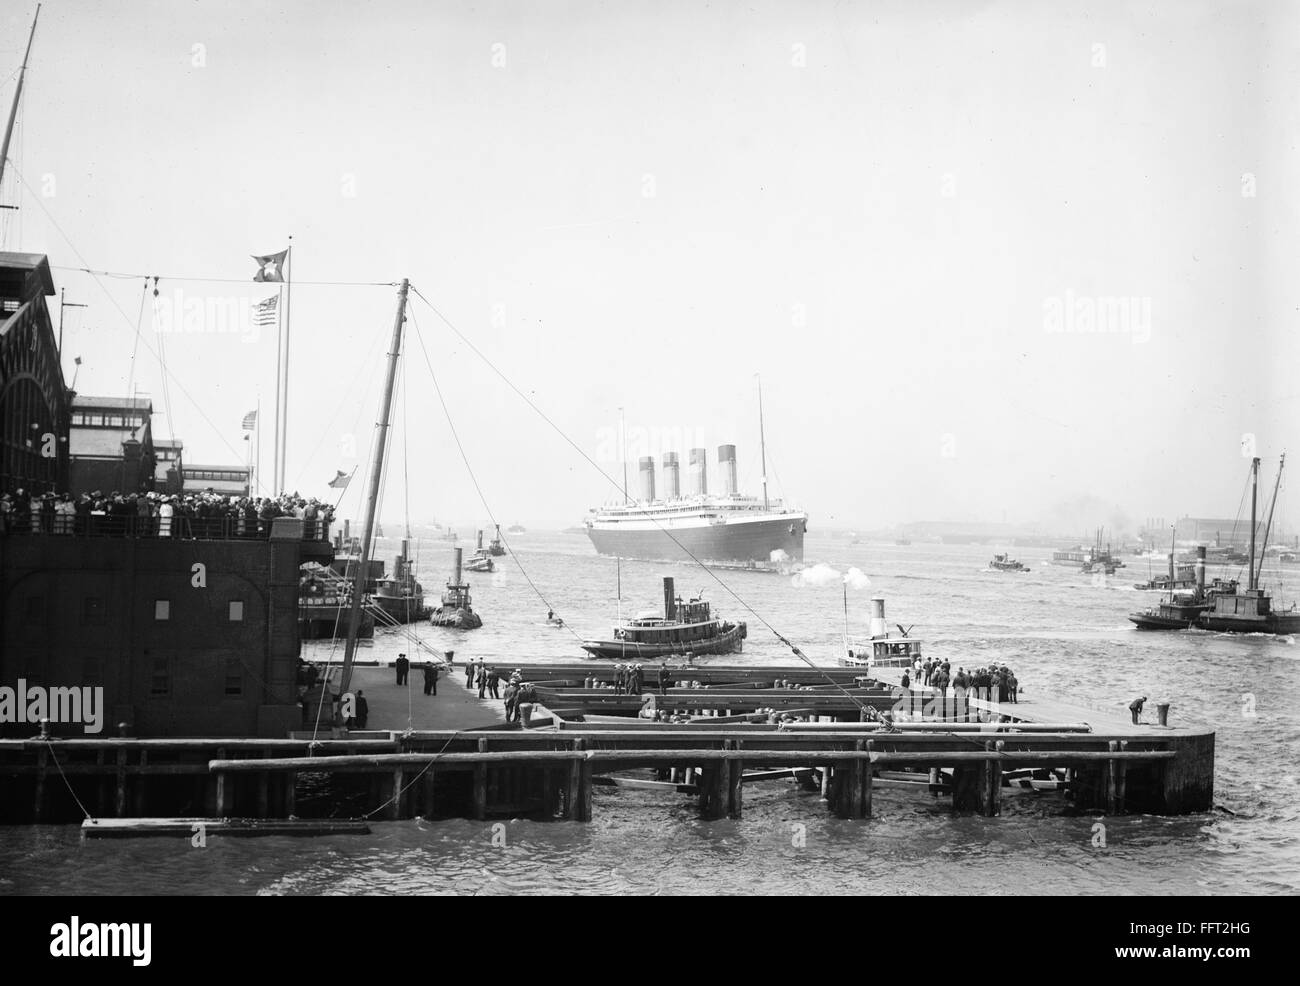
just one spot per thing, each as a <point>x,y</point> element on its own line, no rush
<point>1162,711</point>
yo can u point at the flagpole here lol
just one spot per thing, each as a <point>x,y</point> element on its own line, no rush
<point>288,301</point>
<point>257,438</point>
<point>279,349</point>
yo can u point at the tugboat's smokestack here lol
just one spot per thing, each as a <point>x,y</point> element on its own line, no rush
<point>648,478</point>
<point>672,477</point>
<point>877,626</point>
<point>727,465</point>
<point>670,599</point>
<point>455,566</point>
<point>1200,571</point>
<point>699,465</point>
<point>479,545</point>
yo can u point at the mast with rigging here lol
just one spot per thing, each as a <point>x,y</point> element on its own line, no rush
<point>372,494</point>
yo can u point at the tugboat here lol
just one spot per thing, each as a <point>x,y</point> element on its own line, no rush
<point>1181,612</point>
<point>1002,563</point>
<point>1251,610</point>
<point>481,560</point>
<point>495,547</point>
<point>685,626</point>
<point>455,611</point>
<point>882,649</point>
<point>401,597</point>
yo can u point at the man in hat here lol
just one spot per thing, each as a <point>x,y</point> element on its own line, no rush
<point>431,678</point>
<point>403,667</point>
<point>469,674</point>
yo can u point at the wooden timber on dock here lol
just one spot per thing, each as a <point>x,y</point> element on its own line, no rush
<point>1109,765</point>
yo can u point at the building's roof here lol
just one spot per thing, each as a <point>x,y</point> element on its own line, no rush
<point>112,403</point>
<point>30,261</point>
<point>159,443</point>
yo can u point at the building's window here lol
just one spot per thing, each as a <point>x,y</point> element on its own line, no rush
<point>92,611</point>
<point>160,682</point>
<point>162,609</point>
<point>234,676</point>
<point>35,609</point>
<point>236,611</point>
<point>114,421</point>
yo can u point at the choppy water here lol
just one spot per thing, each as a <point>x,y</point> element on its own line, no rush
<point>1063,633</point>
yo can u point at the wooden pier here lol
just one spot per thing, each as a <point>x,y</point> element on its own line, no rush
<point>549,771</point>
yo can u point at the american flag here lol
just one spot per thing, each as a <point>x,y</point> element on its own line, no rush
<point>264,311</point>
<point>250,420</point>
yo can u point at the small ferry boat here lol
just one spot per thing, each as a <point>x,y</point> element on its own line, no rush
<point>684,626</point>
<point>455,611</point>
<point>1003,563</point>
<point>1183,578</point>
<point>882,649</point>
<point>520,529</point>
<point>1092,559</point>
<point>324,603</point>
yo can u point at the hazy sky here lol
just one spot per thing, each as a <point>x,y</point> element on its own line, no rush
<point>913,220</point>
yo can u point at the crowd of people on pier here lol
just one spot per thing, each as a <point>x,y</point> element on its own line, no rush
<point>204,515</point>
<point>996,681</point>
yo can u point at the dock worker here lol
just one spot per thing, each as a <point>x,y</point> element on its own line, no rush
<point>431,678</point>
<point>403,667</point>
<point>907,681</point>
<point>482,678</point>
<point>663,678</point>
<point>1135,707</point>
<point>620,676</point>
<point>511,696</point>
<point>362,709</point>
<point>469,675</point>
<point>494,683</point>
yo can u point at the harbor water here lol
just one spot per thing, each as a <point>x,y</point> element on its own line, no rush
<point>1065,634</point>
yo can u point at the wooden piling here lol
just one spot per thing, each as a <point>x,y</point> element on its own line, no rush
<point>865,781</point>
<point>38,801</point>
<point>480,784</point>
<point>119,803</point>
<point>735,785</point>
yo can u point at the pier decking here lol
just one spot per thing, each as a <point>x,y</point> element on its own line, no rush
<point>549,769</point>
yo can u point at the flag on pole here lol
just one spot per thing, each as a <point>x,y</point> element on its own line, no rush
<point>250,420</point>
<point>264,311</point>
<point>270,268</point>
<point>340,480</point>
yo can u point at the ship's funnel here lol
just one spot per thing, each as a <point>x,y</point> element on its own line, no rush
<point>1200,571</point>
<point>670,599</point>
<point>455,566</point>
<point>727,466</point>
<point>347,532</point>
<point>647,478</point>
<point>672,477</point>
<point>479,545</point>
<point>699,466</point>
<point>877,626</point>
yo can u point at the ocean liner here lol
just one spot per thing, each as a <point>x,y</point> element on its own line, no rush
<point>725,527</point>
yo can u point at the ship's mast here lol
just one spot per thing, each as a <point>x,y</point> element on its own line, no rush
<point>372,495</point>
<point>1268,524</point>
<point>762,440</point>
<point>622,443</point>
<point>1254,489</point>
<point>18,93</point>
